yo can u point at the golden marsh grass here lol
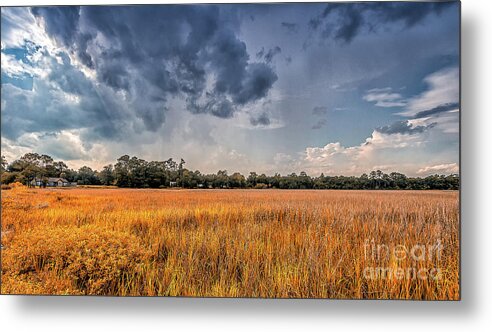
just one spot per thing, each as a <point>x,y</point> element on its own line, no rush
<point>232,243</point>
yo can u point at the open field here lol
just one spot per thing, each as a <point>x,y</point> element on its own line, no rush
<point>234,243</point>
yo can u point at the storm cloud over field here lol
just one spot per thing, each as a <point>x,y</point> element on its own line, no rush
<point>332,88</point>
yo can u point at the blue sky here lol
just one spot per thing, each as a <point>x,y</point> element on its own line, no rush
<point>332,88</point>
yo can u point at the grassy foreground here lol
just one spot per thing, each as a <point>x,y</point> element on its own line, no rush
<point>233,243</point>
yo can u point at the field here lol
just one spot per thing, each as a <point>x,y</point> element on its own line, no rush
<point>232,243</point>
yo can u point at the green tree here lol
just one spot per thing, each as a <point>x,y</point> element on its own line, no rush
<point>106,176</point>
<point>252,179</point>
<point>237,180</point>
<point>122,171</point>
<point>86,176</point>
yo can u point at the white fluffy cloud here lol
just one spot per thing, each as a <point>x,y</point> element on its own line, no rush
<point>385,97</point>
<point>19,26</point>
<point>379,151</point>
<point>439,104</point>
<point>443,89</point>
<point>442,168</point>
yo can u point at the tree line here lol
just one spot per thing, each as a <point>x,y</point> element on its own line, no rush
<point>133,172</point>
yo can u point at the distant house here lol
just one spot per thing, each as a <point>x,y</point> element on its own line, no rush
<point>173,184</point>
<point>52,182</point>
<point>58,182</point>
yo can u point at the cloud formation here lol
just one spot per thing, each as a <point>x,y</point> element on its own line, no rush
<point>404,127</point>
<point>388,150</point>
<point>443,91</point>
<point>439,103</point>
<point>89,84</point>
<point>335,158</point>
<point>452,168</point>
<point>385,98</point>
<point>344,21</point>
<point>64,99</point>
<point>199,58</point>
<point>437,110</point>
<point>430,114</point>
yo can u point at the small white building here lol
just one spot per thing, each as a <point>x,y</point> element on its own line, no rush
<point>53,182</point>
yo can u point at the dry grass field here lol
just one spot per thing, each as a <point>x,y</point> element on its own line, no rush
<point>232,243</point>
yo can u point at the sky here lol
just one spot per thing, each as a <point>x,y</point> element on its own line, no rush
<point>339,89</point>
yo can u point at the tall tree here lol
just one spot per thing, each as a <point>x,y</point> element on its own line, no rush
<point>106,176</point>
<point>122,171</point>
<point>87,176</point>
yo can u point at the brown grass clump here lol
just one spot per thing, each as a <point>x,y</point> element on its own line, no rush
<point>88,260</point>
<point>235,243</point>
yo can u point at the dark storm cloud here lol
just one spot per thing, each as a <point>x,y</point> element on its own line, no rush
<point>290,27</point>
<point>217,105</point>
<point>403,127</point>
<point>262,120</point>
<point>49,110</point>
<point>61,22</point>
<point>344,21</point>
<point>257,82</point>
<point>85,58</point>
<point>114,74</point>
<point>154,53</point>
<point>230,60</point>
<point>437,110</point>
